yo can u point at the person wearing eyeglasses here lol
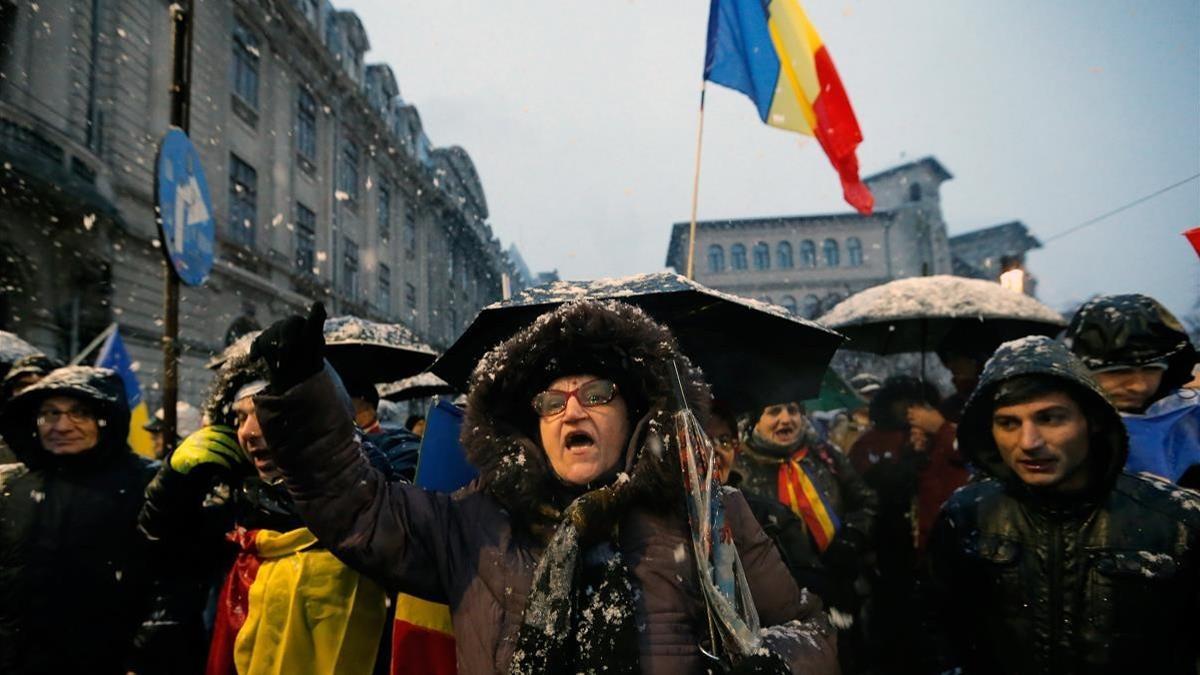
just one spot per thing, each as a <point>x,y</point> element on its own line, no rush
<point>75,581</point>
<point>815,507</point>
<point>571,552</point>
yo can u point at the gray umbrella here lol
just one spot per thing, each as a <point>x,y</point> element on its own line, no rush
<point>922,314</point>
<point>13,348</point>
<point>751,352</point>
<point>417,386</point>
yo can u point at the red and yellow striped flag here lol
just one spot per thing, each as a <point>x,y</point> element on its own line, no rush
<point>797,491</point>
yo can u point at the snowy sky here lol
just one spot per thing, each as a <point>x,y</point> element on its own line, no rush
<point>581,119</point>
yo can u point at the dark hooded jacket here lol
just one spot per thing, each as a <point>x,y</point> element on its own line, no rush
<point>1029,581</point>
<point>74,574</point>
<point>477,549</point>
<point>1132,330</point>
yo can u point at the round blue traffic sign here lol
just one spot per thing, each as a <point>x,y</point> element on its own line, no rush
<point>185,212</point>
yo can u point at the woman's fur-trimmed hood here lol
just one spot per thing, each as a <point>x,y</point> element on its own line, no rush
<point>605,338</point>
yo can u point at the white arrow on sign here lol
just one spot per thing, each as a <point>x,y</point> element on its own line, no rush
<point>189,208</point>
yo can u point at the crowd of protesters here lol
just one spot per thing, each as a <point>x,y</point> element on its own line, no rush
<point>1023,524</point>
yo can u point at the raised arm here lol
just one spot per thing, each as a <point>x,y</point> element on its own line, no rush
<point>393,532</point>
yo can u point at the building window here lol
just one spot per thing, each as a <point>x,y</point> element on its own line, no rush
<point>854,251</point>
<point>350,270</point>
<point>245,65</point>
<point>914,192</point>
<point>243,201</point>
<point>737,257</point>
<point>783,255</point>
<point>808,253</point>
<point>306,240</point>
<point>383,215</point>
<point>410,296</point>
<point>716,259</point>
<point>762,256</point>
<point>410,231</point>
<point>384,289</point>
<point>306,125</point>
<point>451,260</point>
<point>789,303</point>
<point>309,7</point>
<point>811,307</point>
<point>832,255</point>
<point>348,173</point>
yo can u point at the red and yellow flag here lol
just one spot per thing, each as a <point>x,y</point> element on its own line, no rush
<point>422,638</point>
<point>797,491</point>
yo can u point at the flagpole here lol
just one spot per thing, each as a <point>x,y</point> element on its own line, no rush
<point>691,258</point>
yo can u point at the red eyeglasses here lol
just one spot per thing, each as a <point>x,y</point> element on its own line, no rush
<point>589,394</point>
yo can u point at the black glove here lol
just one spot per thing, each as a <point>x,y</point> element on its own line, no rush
<point>294,348</point>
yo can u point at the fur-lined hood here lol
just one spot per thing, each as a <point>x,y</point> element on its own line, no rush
<point>604,338</point>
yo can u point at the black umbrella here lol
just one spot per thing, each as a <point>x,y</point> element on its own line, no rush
<point>751,352</point>
<point>423,385</point>
<point>924,314</point>
<point>360,350</point>
<point>368,351</point>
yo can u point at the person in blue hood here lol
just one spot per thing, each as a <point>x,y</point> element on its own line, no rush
<point>1140,355</point>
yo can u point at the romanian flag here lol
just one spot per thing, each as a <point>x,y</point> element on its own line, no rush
<point>422,638</point>
<point>289,606</point>
<point>768,50</point>
<point>797,491</point>
<point>114,356</point>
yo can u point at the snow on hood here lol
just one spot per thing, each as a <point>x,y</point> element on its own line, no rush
<point>935,297</point>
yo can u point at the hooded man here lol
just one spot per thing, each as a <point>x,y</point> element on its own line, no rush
<point>73,570</point>
<point>398,447</point>
<point>1058,562</point>
<point>1140,355</point>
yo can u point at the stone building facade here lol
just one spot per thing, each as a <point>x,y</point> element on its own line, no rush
<point>810,263</point>
<point>324,184</point>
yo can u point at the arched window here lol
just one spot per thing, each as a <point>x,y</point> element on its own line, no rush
<point>854,251</point>
<point>762,256</point>
<point>766,299</point>
<point>737,257</point>
<point>811,307</point>
<point>783,255</point>
<point>832,256</point>
<point>716,259</point>
<point>914,192</point>
<point>808,253</point>
<point>789,303</point>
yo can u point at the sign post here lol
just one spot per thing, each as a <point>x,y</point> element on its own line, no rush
<point>184,211</point>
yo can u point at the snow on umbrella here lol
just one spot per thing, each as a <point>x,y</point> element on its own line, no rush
<point>919,314</point>
<point>751,352</point>
<point>239,346</point>
<point>13,348</point>
<point>369,351</point>
<point>417,386</point>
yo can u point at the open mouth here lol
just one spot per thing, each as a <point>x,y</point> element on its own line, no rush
<point>1038,465</point>
<point>579,440</point>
